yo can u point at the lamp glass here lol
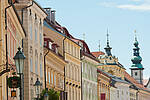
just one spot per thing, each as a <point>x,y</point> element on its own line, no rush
<point>46,96</point>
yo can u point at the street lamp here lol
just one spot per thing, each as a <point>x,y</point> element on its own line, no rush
<point>46,96</point>
<point>37,86</point>
<point>19,62</point>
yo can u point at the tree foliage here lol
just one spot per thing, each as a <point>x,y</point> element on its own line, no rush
<point>53,95</point>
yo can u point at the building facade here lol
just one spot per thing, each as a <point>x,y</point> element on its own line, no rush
<point>103,85</point>
<point>32,16</point>
<point>13,30</point>
<point>89,72</point>
<point>70,50</point>
<point>55,66</point>
<point>110,63</point>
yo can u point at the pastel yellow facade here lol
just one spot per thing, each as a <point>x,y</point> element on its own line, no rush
<point>111,65</point>
<point>73,70</point>
<point>15,34</point>
<point>133,94</point>
<point>103,86</point>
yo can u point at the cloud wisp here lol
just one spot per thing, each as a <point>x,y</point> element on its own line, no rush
<point>145,6</point>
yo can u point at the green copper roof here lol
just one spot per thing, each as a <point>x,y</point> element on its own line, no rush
<point>136,59</point>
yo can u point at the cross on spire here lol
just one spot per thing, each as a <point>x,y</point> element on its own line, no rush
<point>135,35</point>
<point>107,38</point>
<point>108,48</point>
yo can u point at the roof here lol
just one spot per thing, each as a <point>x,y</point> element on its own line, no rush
<point>134,82</point>
<point>97,54</point>
<point>114,78</point>
<point>146,82</point>
<point>19,19</point>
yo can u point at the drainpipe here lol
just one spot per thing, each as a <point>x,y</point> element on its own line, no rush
<point>45,66</point>
<point>81,58</point>
<point>65,97</point>
<point>23,10</point>
<point>6,45</point>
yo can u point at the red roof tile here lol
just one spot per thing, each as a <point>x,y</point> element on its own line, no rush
<point>145,81</point>
<point>97,54</point>
<point>132,80</point>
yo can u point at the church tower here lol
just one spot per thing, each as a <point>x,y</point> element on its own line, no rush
<point>137,68</point>
<point>108,48</point>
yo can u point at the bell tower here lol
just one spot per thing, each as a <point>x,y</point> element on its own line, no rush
<point>137,68</point>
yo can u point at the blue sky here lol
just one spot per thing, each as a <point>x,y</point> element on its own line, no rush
<point>121,17</point>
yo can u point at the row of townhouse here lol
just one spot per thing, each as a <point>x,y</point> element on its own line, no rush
<point>59,60</point>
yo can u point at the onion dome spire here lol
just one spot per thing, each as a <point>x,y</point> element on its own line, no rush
<point>136,60</point>
<point>108,48</point>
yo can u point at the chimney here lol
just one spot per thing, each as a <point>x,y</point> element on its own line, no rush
<point>53,16</point>
<point>48,11</point>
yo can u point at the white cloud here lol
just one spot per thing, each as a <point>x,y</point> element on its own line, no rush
<point>108,4</point>
<point>145,6</point>
<point>142,7</point>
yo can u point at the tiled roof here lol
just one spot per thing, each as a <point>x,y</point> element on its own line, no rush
<point>133,81</point>
<point>97,54</point>
<point>145,81</point>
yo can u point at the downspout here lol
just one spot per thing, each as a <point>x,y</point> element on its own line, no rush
<point>45,67</point>
<point>65,97</point>
<point>81,58</point>
<point>23,10</point>
<point>6,46</point>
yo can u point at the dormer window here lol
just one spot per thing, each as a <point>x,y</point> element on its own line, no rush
<point>45,43</point>
<point>50,45</point>
<point>55,48</point>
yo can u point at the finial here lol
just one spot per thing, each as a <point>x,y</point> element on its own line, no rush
<point>107,38</point>
<point>84,36</point>
<point>99,45</point>
<point>135,35</point>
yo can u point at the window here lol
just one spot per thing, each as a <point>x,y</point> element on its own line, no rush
<point>36,66</point>
<point>41,71</point>
<point>35,33</point>
<point>135,73</point>
<point>55,79</point>
<point>36,62</point>
<point>30,27</point>
<point>31,65</point>
<point>40,39</point>
<point>50,45</point>
<point>46,75</point>
<point>49,77</point>
<point>118,93</point>
<point>52,77</point>
<point>40,35</point>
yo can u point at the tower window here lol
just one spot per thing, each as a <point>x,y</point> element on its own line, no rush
<point>135,73</point>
